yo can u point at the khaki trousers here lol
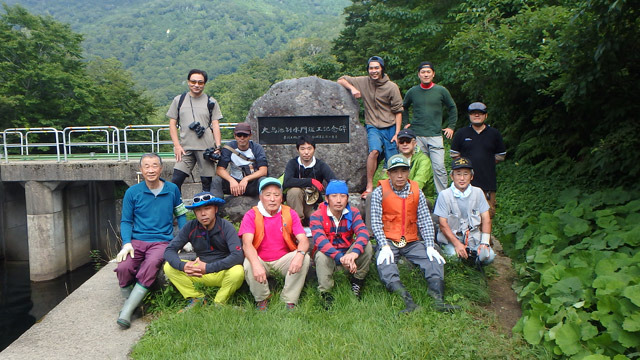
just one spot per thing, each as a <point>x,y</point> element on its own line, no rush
<point>293,283</point>
<point>326,266</point>
<point>295,199</point>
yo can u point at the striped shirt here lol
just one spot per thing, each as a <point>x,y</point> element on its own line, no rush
<point>338,247</point>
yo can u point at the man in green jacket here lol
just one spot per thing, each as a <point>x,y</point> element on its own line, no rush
<point>428,99</point>
<point>420,169</point>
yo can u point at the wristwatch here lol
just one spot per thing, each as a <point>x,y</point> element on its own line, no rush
<point>302,252</point>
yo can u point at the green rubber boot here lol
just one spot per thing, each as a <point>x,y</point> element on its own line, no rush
<point>126,291</point>
<point>137,294</point>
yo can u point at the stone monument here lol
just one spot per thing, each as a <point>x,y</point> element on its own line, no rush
<point>315,107</point>
<point>318,102</point>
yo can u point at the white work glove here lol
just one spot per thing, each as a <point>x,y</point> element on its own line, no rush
<point>485,238</point>
<point>432,253</point>
<point>126,249</point>
<point>187,247</point>
<point>385,256</point>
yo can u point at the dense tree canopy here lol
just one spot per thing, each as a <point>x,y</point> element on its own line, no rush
<point>158,41</point>
<point>560,78</point>
<point>45,82</point>
<point>302,57</point>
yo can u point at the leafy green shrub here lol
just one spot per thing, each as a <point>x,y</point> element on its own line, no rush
<point>579,277</point>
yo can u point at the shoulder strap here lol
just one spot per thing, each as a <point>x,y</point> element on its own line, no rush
<point>287,228</point>
<point>210,105</point>
<point>240,155</point>
<point>326,224</point>
<point>259,230</point>
<point>184,95</point>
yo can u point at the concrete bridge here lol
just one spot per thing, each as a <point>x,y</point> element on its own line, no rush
<point>54,213</point>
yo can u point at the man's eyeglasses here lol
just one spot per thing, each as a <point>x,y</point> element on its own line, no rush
<point>404,141</point>
<point>194,82</point>
<point>200,198</point>
<point>242,135</point>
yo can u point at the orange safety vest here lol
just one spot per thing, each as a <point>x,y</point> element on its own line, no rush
<point>286,226</point>
<point>400,216</point>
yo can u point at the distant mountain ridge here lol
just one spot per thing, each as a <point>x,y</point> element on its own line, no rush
<point>160,40</point>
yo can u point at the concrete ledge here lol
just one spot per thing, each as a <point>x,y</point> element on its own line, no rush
<point>82,326</point>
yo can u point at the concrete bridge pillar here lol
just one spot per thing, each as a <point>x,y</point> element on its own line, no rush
<point>77,224</point>
<point>46,229</point>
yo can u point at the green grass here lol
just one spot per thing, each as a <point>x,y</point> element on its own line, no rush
<point>371,328</point>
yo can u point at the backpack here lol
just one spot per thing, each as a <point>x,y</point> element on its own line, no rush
<point>210,105</point>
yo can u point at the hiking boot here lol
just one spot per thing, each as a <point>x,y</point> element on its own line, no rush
<point>410,305</point>
<point>356,287</point>
<point>193,302</point>
<point>328,299</point>
<point>436,291</point>
<point>291,306</point>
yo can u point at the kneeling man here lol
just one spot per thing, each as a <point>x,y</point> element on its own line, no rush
<point>398,210</point>
<point>218,250</point>
<point>341,239</point>
<point>273,239</point>
<point>465,221</point>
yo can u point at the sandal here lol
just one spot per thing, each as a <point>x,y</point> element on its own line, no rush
<point>365,194</point>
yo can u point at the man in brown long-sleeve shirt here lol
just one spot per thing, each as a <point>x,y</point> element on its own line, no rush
<point>382,113</point>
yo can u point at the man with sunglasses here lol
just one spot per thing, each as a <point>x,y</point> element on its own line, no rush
<point>420,170</point>
<point>382,113</point>
<point>242,164</point>
<point>196,116</point>
<point>148,209</point>
<point>218,251</point>
<point>341,241</point>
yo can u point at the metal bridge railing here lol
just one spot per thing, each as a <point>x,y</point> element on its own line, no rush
<point>112,138</point>
<point>113,141</point>
<point>24,140</point>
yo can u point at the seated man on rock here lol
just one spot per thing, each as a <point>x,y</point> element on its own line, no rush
<point>341,239</point>
<point>304,176</point>
<point>247,164</point>
<point>465,223</point>
<point>398,211</point>
<point>146,227</point>
<point>273,239</point>
<point>218,251</point>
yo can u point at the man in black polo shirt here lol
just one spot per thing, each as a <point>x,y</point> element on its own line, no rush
<point>483,145</point>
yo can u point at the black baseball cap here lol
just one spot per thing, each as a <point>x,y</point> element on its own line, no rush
<point>406,133</point>
<point>461,163</point>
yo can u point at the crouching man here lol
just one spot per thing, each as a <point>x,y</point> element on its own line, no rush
<point>342,241</point>
<point>273,239</point>
<point>398,211</point>
<point>465,222</point>
<point>218,250</point>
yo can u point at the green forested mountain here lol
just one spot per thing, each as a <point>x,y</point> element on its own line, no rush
<point>160,40</point>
